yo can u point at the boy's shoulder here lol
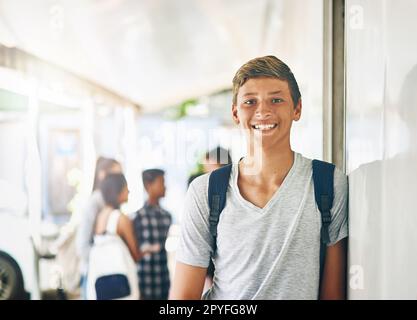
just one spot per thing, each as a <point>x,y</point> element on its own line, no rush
<point>199,186</point>
<point>165,212</point>
<point>339,175</point>
<point>138,213</point>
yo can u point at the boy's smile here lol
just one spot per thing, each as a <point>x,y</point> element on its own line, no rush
<point>264,126</point>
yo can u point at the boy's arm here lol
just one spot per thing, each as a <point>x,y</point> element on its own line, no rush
<point>188,282</point>
<point>195,244</point>
<point>333,282</point>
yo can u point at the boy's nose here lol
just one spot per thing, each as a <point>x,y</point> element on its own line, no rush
<point>263,109</point>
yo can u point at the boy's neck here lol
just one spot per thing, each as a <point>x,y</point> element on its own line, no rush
<point>269,164</point>
<point>153,201</point>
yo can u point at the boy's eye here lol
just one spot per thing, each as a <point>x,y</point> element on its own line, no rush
<point>250,102</point>
<point>277,100</point>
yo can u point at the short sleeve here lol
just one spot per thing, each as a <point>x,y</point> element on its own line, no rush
<point>338,228</point>
<point>195,244</point>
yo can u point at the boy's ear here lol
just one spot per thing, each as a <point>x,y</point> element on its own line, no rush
<point>297,110</point>
<point>235,115</point>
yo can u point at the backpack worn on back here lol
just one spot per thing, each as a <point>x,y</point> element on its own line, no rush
<point>323,174</point>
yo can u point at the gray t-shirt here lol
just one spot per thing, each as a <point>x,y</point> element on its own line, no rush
<point>268,253</point>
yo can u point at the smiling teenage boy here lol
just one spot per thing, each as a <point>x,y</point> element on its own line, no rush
<point>269,234</point>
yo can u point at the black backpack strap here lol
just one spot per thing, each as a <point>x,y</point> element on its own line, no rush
<point>218,183</point>
<point>323,177</point>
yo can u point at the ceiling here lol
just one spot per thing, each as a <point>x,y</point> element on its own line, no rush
<point>154,52</point>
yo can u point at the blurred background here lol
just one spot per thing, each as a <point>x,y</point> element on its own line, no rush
<point>148,83</point>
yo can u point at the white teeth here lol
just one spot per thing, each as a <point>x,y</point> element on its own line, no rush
<point>264,126</point>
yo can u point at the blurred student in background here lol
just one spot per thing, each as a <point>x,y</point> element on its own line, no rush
<point>94,205</point>
<point>152,224</point>
<point>213,160</point>
<point>112,269</point>
<point>216,158</point>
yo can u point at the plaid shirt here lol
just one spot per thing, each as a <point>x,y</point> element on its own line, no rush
<point>151,227</point>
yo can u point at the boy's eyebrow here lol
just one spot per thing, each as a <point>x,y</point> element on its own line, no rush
<point>255,93</point>
<point>249,94</point>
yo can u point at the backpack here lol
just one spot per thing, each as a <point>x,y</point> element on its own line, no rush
<point>323,174</point>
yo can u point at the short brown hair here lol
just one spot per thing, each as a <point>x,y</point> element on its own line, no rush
<point>149,176</point>
<point>268,66</point>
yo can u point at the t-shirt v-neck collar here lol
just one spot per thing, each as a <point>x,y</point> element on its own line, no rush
<point>275,196</point>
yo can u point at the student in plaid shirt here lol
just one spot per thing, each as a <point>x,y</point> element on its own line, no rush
<point>151,227</point>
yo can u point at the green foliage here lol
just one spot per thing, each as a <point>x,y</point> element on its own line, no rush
<point>181,110</point>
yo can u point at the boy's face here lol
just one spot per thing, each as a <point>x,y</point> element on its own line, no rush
<point>156,188</point>
<point>264,108</point>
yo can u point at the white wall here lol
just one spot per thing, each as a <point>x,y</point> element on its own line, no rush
<point>381,148</point>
